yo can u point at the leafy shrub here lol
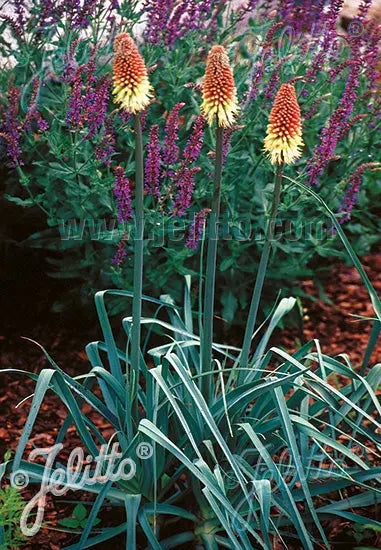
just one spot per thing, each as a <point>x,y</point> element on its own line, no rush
<point>71,138</point>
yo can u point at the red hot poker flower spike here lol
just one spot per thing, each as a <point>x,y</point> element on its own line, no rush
<point>284,132</point>
<point>219,92</point>
<point>131,85</point>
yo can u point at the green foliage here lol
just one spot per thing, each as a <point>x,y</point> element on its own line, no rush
<point>78,519</point>
<point>363,533</point>
<point>11,507</point>
<point>62,176</point>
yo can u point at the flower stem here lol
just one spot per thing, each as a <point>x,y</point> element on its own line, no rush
<point>252,317</point>
<point>207,340</point>
<point>138,259</point>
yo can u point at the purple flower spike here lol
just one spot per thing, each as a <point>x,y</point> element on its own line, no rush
<point>197,229</point>
<point>334,130</point>
<point>363,9</point>
<point>273,83</point>
<point>328,36</point>
<point>106,147</point>
<point>371,54</point>
<point>84,14</point>
<point>121,252</point>
<point>168,20</point>
<point>87,105</point>
<point>12,128</point>
<point>184,179</point>
<point>353,188</point>
<point>17,30</point>
<point>97,108</point>
<point>152,166</point>
<point>259,67</point>
<point>49,15</point>
<point>122,192</point>
<point>171,149</point>
<point>194,143</point>
<point>20,13</point>
<point>32,112</point>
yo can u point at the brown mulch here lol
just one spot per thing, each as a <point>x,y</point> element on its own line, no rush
<point>330,322</point>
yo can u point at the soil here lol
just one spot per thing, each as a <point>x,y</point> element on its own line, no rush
<point>332,313</point>
<point>327,316</point>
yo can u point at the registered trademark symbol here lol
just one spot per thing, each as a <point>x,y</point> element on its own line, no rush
<point>144,450</point>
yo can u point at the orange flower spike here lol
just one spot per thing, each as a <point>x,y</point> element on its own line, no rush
<point>284,132</point>
<point>131,85</point>
<point>219,93</point>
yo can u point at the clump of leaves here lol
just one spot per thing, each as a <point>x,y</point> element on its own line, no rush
<point>78,519</point>
<point>11,507</point>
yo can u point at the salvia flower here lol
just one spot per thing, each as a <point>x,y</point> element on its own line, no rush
<point>121,251</point>
<point>12,128</point>
<point>70,63</point>
<point>33,113</point>
<point>97,104</point>
<point>363,9</point>
<point>328,35</point>
<point>184,178</point>
<point>302,15</point>
<point>275,77</point>
<point>15,27</point>
<point>74,113</point>
<point>264,56</point>
<point>131,85</point>
<point>197,229</point>
<point>49,15</point>
<point>168,20</point>
<point>106,147</point>
<point>353,188</point>
<point>284,132</point>
<point>122,192</point>
<point>350,125</point>
<point>171,149</point>
<point>193,147</point>
<point>152,168</point>
<point>20,12</point>
<point>219,91</point>
<point>226,142</point>
<point>84,14</point>
<point>371,53</point>
<point>158,13</point>
<point>333,131</point>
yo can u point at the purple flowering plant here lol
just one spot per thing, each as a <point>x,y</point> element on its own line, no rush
<point>62,138</point>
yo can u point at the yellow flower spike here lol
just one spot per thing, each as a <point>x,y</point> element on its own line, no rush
<point>219,93</point>
<point>131,85</point>
<point>284,132</point>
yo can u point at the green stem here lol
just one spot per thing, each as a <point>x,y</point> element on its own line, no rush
<point>252,317</point>
<point>138,261</point>
<point>372,343</point>
<point>207,340</point>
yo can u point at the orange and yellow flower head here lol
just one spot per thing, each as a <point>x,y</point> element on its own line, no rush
<point>131,85</point>
<point>284,132</point>
<point>219,93</point>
